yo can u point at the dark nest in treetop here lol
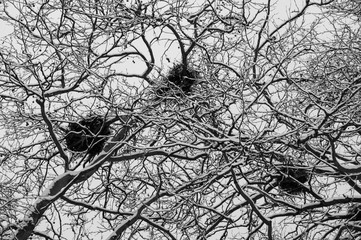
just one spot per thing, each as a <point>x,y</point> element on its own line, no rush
<point>355,212</point>
<point>178,78</point>
<point>291,179</point>
<point>89,135</point>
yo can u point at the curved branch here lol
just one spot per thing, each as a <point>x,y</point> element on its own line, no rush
<point>348,170</point>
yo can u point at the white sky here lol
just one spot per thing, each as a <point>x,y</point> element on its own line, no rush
<point>282,10</point>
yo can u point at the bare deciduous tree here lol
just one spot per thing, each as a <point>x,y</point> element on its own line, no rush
<point>180,120</point>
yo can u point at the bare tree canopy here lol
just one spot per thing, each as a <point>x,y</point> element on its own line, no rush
<point>176,119</point>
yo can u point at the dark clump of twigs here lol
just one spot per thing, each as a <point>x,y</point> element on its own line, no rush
<point>89,135</point>
<point>355,212</point>
<point>179,79</point>
<point>292,178</point>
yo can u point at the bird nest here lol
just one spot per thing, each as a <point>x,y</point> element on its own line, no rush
<point>89,135</point>
<point>179,79</point>
<point>355,212</point>
<point>291,179</point>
